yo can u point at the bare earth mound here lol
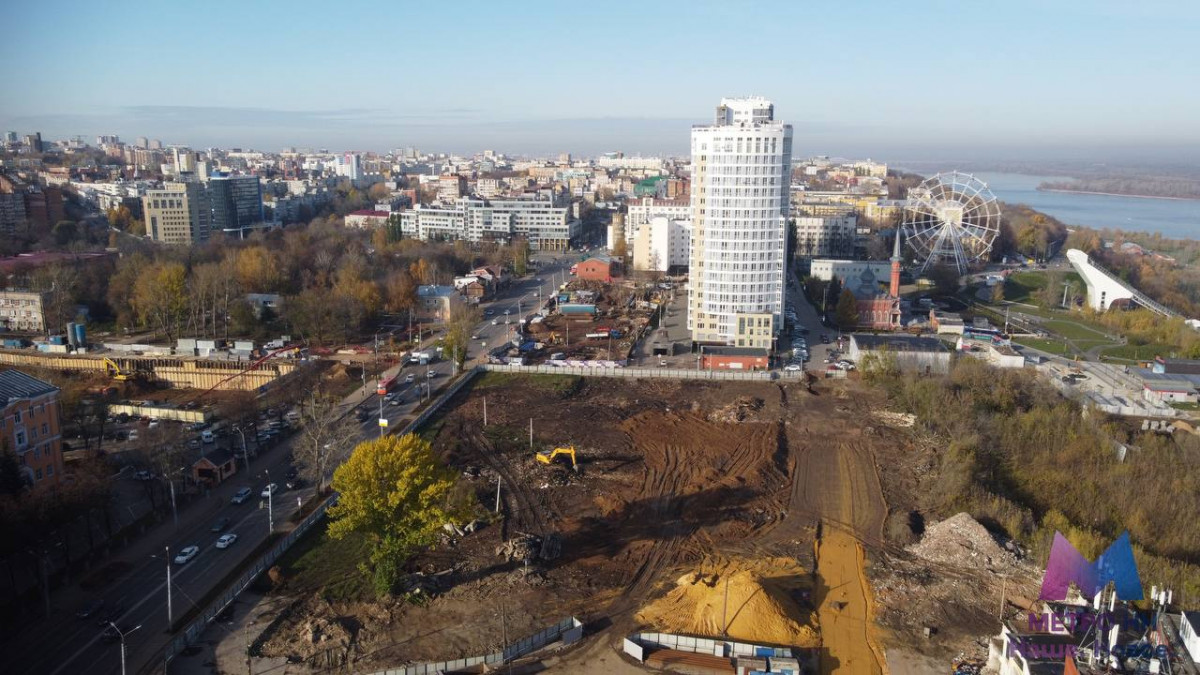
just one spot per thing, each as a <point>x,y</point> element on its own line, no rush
<point>760,600</point>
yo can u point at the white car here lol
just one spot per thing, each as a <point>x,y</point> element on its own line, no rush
<point>270,490</point>
<point>408,379</point>
<point>226,540</point>
<point>845,365</point>
<point>430,374</point>
<point>495,322</point>
<point>185,556</point>
<point>793,367</point>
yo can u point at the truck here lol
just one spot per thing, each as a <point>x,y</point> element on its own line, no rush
<point>422,358</point>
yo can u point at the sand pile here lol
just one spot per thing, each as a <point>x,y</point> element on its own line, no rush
<point>764,599</point>
<point>961,541</point>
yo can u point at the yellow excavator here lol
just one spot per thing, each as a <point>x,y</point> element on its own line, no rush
<point>115,371</point>
<point>547,457</point>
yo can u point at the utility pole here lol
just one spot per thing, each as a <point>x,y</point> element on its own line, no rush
<point>530,433</point>
<point>122,636</point>
<point>497,493</point>
<point>725,610</point>
<point>485,411</point>
<point>174,511</point>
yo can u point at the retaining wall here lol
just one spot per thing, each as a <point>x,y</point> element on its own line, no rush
<point>570,630</point>
<point>709,646</point>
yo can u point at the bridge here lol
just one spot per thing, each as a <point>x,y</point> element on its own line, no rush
<point>1104,287</point>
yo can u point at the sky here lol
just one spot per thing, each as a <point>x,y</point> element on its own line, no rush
<point>1091,80</point>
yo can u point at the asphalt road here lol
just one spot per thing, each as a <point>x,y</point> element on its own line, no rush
<point>70,645</point>
<point>65,644</point>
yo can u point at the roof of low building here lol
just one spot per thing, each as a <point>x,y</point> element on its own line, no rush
<point>370,212</point>
<point>898,343</point>
<point>15,385</point>
<point>1174,387</point>
<point>430,291</point>
<point>736,351</point>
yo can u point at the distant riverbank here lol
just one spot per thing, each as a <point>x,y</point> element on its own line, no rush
<point>1113,194</point>
<point>1174,218</point>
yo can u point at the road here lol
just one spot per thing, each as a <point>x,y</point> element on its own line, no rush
<point>74,645</point>
<point>65,644</point>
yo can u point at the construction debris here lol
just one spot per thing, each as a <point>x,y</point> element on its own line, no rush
<point>962,542</point>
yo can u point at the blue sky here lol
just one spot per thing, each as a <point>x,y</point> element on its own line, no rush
<point>919,80</point>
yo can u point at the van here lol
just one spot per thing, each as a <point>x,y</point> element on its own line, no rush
<point>558,356</point>
<point>207,436</point>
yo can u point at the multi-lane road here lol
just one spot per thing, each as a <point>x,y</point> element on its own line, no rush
<point>63,643</point>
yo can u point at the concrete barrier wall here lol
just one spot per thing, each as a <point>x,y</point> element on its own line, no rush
<point>161,413</point>
<point>177,372</point>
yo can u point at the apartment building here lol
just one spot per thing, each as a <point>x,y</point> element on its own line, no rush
<point>547,226</point>
<point>741,167</point>
<point>646,208</point>
<point>826,236</point>
<point>236,203</point>
<point>31,427</point>
<point>662,244</point>
<point>23,310</point>
<point>178,213</point>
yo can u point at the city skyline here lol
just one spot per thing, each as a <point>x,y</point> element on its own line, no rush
<point>911,85</point>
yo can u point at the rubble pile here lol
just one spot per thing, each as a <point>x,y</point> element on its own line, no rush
<point>738,411</point>
<point>961,541</point>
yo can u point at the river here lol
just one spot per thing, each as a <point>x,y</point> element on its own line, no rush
<point>1174,218</point>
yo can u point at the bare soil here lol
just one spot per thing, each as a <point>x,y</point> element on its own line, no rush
<point>676,479</point>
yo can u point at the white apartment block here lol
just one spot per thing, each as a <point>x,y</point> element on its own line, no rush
<point>843,270</point>
<point>662,244</point>
<point>826,236</point>
<point>22,310</point>
<point>545,225</point>
<point>179,213</point>
<point>631,163</point>
<point>641,212</point>
<point>741,167</point>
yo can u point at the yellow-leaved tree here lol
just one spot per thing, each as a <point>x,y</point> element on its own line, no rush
<point>395,491</point>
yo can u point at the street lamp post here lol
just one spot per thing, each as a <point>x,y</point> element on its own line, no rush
<point>270,506</point>
<point>122,636</point>
<point>245,453</point>
<point>170,613</point>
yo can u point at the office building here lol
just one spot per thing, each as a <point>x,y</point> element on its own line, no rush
<point>178,213</point>
<point>31,427</point>
<point>236,203</point>
<point>34,141</point>
<point>741,166</point>
<point>10,137</point>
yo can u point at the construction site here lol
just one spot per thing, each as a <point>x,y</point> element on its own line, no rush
<point>740,510</point>
<point>587,321</point>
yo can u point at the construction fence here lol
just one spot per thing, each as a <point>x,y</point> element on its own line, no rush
<point>569,630</point>
<point>636,373</point>
<point>635,644</point>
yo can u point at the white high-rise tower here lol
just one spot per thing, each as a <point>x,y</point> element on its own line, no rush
<point>741,169</point>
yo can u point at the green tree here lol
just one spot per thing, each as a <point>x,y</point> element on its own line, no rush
<point>945,280</point>
<point>396,493</point>
<point>64,232</point>
<point>847,310</point>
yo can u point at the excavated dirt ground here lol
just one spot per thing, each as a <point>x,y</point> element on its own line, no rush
<point>677,479</point>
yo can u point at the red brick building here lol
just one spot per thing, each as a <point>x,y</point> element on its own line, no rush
<point>31,428</point>
<point>597,269</point>
<point>734,358</point>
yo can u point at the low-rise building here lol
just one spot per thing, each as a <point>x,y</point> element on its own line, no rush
<point>908,353</point>
<point>734,358</point>
<point>31,427</point>
<point>214,468</point>
<point>599,268</point>
<point>847,271</point>
<point>23,310</point>
<point>367,218</point>
<point>437,302</point>
<point>1189,633</point>
<point>1168,391</point>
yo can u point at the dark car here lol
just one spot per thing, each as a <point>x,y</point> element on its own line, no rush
<point>91,609</point>
<point>220,525</point>
<point>295,483</point>
<point>110,615</point>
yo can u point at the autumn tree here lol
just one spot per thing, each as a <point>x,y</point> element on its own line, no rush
<point>160,298</point>
<point>59,282</point>
<point>847,310</point>
<point>257,270</point>
<point>394,491</point>
<point>945,279</point>
<point>327,435</point>
<point>458,332</point>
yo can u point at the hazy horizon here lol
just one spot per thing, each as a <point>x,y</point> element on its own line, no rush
<point>1072,82</point>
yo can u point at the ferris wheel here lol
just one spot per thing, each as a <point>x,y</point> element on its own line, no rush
<point>951,219</point>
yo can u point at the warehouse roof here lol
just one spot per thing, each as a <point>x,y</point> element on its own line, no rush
<point>15,385</point>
